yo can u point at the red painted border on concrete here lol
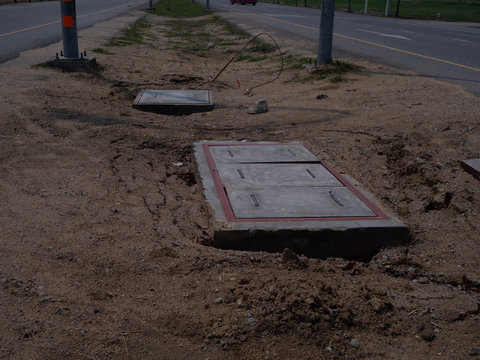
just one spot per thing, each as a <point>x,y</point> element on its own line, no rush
<point>230,215</point>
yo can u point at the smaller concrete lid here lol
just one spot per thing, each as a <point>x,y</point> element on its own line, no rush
<point>174,97</point>
<point>174,102</point>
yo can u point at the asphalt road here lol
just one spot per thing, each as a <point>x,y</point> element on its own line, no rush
<point>444,51</point>
<point>26,26</point>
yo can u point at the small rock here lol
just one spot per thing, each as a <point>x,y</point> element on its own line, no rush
<point>322,96</point>
<point>423,280</point>
<point>69,256</point>
<point>439,200</point>
<point>211,45</point>
<point>428,333</point>
<point>355,343</point>
<point>250,320</point>
<point>474,351</point>
<point>289,256</point>
<point>218,300</point>
<point>259,107</point>
<point>96,311</point>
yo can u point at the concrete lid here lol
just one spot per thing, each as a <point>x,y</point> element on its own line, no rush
<point>174,102</point>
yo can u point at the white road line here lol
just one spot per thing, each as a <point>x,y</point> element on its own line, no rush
<point>462,40</point>
<point>284,15</point>
<point>386,35</point>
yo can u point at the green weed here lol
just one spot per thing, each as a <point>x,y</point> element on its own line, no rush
<point>133,35</point>
<point>102,51</point>
<point>177,9</point>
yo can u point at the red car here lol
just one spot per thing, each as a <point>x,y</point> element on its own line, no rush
<point>243,2</point>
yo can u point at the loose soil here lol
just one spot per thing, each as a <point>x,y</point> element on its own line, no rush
<point>103,225</point>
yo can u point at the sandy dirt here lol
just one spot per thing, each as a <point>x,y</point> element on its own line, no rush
<point>102,223</point>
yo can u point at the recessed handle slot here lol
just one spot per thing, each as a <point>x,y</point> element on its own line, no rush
<point>311,173</point>
<point>334,197</point>
<point>255,201</point>
<point>241,174</point>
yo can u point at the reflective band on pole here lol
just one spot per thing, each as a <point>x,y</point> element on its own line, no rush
<point>67,21</point>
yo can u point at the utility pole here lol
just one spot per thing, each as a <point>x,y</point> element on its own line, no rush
<point>71,59</point>
<point>327,12</point>
<point>365,11</point>
<point>386,8</point>
<point>69,29</point>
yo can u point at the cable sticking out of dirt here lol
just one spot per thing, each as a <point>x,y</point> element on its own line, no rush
<point>249,90</point>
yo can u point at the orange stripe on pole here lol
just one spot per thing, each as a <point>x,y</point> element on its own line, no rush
<point>67,21</point>
<point>67,0</point>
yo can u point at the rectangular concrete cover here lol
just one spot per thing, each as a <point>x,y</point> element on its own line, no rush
<point>174,102</point>
<point>270,196</point>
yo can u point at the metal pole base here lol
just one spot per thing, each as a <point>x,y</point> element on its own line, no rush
<point>83,64</point>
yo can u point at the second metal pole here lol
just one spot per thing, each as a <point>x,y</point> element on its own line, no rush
<point>327,12</point>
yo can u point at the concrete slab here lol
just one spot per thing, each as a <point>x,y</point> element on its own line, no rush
<point>252,153</point>
<point>472,166</point>
<point>278,174</point>
<point>269,196</point>
<point>295,202</point>
<point>174,102</point>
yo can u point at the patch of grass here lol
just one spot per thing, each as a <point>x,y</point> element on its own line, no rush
<point>334,72</point>
<point>44,65</point>
<point>459,10</point>
<point>291,62</point>
<point>229,28</point>
<point>196,34</point>
<point>177,9</point>
<point>227,43</point>
<point>258,45</point>
<point>133,35</point>
<point>49,65</point>
<point>249,58</point>
<point>102,51</point>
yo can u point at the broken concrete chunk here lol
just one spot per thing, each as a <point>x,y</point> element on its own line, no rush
<point>259,107</point>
